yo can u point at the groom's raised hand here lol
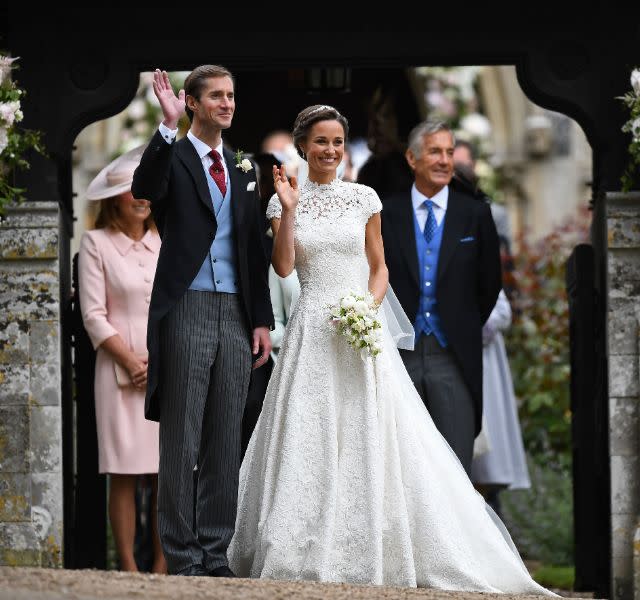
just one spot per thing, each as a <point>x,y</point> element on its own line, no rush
<point>261,346</point>
<point>172,106</point>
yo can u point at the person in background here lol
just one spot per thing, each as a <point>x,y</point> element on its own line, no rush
<point>264,162</point>
<point>116,264</point>
<point>279,143</point>
<point>504,465</point>
<point>442,252</point>
<point>386,169</point>
<point>464,163</point>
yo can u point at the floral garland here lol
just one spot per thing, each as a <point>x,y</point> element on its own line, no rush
<point>632,126</point>
<point>14,141</point>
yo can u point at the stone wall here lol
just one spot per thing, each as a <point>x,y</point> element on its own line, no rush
<point>623,318</point>
<point>31,504</point>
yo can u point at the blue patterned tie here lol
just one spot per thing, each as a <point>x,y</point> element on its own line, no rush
<point>430,226</point>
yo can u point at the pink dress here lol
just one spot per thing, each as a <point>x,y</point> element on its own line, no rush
<point>115,278</point>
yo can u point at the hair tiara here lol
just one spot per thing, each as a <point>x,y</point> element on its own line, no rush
<point>318,109</point>
<point>322,107</point>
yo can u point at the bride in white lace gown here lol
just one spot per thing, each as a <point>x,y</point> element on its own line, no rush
<point>346,478</point>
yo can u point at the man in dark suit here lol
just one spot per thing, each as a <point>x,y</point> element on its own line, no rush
<point>210,310</point>
<point>442,252</point>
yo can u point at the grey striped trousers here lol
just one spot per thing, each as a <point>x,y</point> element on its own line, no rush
<point>205,358</point>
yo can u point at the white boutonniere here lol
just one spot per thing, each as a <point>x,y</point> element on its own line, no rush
<point>356,318</point>
<point>243,163</point>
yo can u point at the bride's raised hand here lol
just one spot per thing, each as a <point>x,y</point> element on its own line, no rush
<point>286,188</point>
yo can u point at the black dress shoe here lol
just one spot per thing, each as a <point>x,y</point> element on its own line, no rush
<point>194,571</point>
<point>222,571</point>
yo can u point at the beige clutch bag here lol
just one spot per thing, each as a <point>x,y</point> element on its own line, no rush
<point>122,375</point>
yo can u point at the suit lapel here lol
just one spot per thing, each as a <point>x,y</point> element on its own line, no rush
<point>188,155</point>
<point>453,229</point>
<point>406,234</point>
<point>238,192</point>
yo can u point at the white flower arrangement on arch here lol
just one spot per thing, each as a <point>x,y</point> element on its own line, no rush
<point>632,126</point>
<point>14,140</point>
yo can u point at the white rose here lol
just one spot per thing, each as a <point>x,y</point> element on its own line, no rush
<point>5,67</point>
<point>8,111</point>
<point>358,326</point>
<point>635,129</point>
<point>361,308</point>
<point>246,165</point>
<point>347,302</point>
<point>635,80</point>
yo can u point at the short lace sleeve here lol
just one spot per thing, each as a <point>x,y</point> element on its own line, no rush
<point>374,204</point>
<point>274,208</point>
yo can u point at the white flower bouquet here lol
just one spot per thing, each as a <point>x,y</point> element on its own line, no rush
<point>356,318</point>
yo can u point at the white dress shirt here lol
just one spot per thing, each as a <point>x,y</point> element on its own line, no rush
<point>201,148</point>
<point>440,202</point>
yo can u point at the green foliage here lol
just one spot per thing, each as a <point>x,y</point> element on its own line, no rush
<point>561,578</point>
<point>632,101</point>
<point>538,342</point>
<point>15,141</point>
<point>540,519</point>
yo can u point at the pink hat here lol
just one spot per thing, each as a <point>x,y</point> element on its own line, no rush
<point>116,177</point>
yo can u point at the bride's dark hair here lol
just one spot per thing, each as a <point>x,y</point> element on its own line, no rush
<point>307,117</point>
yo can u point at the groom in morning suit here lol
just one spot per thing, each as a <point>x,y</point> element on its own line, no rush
<point>442,252</point>
<point>210,311</point>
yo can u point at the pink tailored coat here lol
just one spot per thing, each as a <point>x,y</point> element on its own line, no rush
<point>115,278</point>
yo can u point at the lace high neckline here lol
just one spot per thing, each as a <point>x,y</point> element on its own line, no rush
<point>312,185</point>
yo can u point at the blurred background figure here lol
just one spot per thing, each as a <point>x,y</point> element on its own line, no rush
<point>116,267</point>
<point>284,292</point>
<point>280,299</point>
<point>464,159</point>
<point>386,169</point>
<point>504,465</point>
<point>264,162</point>
<point>284,295</point>
<point>280,144</point>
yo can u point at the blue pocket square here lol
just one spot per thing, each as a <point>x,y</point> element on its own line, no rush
<point>468,239</point>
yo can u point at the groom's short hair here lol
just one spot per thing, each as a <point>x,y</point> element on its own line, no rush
<point>195,81</point>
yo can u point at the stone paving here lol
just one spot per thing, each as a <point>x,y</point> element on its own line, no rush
<point>27,583</point>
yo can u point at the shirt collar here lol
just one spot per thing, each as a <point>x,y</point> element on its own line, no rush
<point>201,148</point>
<point>123,243</point>
<point>441,199</point>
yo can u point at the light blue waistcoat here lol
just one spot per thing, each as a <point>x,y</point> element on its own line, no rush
<point>218,272</point>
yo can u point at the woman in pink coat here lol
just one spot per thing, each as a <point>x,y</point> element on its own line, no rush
<point>117,263</point>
